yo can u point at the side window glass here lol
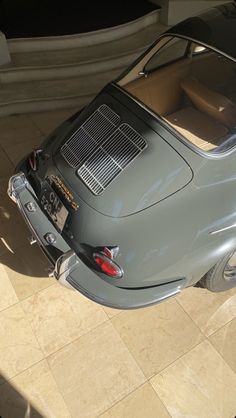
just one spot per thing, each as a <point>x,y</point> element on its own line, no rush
<point>173,50</point>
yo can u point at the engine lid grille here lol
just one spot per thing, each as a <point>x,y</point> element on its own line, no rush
<point>102,148</point>
<point>87,138</point>
<point>113,155</point>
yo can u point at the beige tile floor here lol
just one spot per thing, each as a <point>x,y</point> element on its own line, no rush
<point>63,356</point>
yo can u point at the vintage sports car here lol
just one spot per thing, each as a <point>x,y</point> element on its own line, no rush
<point>134,197</point>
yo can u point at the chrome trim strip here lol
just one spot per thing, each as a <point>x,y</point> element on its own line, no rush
<point>217,231</point>
<point>65,264</point>
<point>120,304</point>
<point>16,183</point>
<point>205,44</point>
<point>14,191</point>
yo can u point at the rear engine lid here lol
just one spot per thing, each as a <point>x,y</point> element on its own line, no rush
<point>116,162</point>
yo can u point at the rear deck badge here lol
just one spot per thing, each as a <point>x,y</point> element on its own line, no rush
<point>65,192</point>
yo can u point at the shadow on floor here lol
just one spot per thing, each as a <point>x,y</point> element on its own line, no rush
<point>15,405</point>
<point>15,249</point>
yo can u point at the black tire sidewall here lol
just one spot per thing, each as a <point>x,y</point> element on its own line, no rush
<point>214,280</point>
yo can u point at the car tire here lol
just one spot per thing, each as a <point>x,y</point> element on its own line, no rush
<point>222,276</point>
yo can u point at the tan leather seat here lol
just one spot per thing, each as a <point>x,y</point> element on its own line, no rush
<point>199,128</point>
<point>210,102</point>
<point>161,90</point>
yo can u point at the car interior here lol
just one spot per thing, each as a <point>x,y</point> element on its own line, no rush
<point>194,92</point>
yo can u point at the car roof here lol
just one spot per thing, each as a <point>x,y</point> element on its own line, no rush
<point>215,27</point>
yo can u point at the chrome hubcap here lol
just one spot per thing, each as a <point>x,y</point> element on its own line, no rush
<point>230,268</point>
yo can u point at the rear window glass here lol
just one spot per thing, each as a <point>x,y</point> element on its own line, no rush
<point>193,89</point>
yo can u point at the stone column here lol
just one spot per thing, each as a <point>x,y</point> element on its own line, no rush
<point>4,52</point>
<point>173,11</point>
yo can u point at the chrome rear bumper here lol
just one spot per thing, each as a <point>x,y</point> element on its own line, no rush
<point>69,269</point>
<point>21,192</point>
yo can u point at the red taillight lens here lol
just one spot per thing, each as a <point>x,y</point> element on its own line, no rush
<point>108,266</point>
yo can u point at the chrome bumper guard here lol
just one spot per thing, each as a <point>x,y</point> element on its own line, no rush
<point>21,192</point>
<point>16,183</point>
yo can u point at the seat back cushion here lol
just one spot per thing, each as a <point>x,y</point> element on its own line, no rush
<point>210,102</point>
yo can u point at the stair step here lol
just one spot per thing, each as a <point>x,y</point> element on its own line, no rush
<point>83,39</point>
<point>51,94</point>
<point>68,71</point>
<point>42,65</point>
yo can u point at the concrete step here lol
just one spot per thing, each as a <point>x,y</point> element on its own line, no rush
<point>67,71</point>
<point>56,64</point>
<point>83,39</point>
<point>34,96</point>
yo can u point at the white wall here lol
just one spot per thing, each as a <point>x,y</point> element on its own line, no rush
<point>173,11</point>
<point>181,9</point>
<point>4,52</point>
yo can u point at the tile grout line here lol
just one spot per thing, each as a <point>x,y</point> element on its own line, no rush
<point>36,134</point>
<point>102,309</point>
<point>222,326</point>
<point>142,384</point>
<point>75,339</point>
<point>224,360</point>
<point>133,357</point>
<point>195,323</point>
<point>111,317</point>
<point>35,125</point>
<point>20,301</point>
<point>177,359</point>
<point>59,390</point>
<point>18,374</point>
<point>206,336</point>
<point>126,396</point>
<point>206,339</point>
<point>46,134</point>
<point>136,362</point>
<point>8,158</point>
<point>11,306</point>
<point>24,299</point>
<point>120,400</point>
<point>148,379</point>
<point>23,371</point>
<point>46,358</point>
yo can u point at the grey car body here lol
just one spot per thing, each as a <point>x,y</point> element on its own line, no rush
<point>134,189</point>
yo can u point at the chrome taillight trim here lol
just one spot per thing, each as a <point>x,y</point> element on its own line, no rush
<point>110,261</point>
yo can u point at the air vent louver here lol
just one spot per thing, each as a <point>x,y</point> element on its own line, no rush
<point>87,138</point>
<point>102,149</point>
<point>113,155</point>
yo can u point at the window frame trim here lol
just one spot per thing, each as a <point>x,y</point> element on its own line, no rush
<point>177,134</point>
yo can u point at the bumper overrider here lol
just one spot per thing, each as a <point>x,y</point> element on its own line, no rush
<point>68,268</point>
